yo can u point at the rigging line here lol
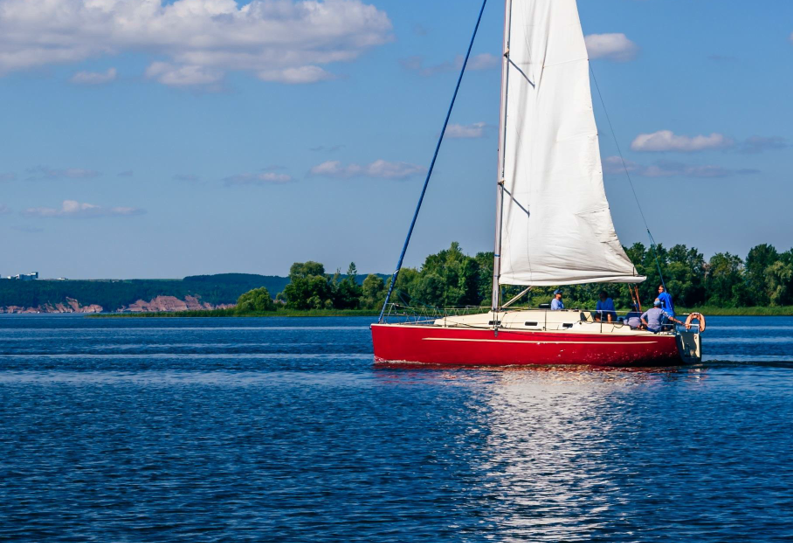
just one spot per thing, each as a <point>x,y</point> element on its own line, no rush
<point>628,175</point>
<point>432,164</point>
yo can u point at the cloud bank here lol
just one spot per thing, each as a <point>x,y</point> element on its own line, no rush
<point>666,140</point>
<point>197,41</point>
<point>378,169</point>
<point>616,47</point>
<point>461,131</point>
<point>94,78</point>
<point>77,210</point>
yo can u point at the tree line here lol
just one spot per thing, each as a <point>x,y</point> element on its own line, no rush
<point>450,278</point>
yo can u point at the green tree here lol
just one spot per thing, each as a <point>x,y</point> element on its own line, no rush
<point>448,278</point>
<point>685,275</point>
<point>484,262</point>
<point>309,287</point>
<point>405,285</point>
<point>254,300</point>
<point>372,292</point>
<point>306,269</point>
<point>724,280</point>
<point>779,277</point>
<point>759,259</point>
<point>347,292</point>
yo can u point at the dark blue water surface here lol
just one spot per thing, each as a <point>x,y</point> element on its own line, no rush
<point>283,430</point>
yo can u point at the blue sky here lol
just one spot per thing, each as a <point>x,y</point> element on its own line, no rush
<point>149,139</point>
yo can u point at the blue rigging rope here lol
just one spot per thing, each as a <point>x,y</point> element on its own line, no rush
<point>630,180</point>
<point>432,165</point>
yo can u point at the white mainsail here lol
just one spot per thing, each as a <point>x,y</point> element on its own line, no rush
<point>556,227</point>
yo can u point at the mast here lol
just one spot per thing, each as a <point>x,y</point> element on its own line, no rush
<point>502,136</point>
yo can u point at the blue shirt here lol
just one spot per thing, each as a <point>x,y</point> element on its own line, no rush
<point>666,303</point>
<point>655,318</point>
<point>606,308</point>
<point>556,305</point>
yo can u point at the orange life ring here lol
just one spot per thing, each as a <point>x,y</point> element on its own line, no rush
<point>697,316</point>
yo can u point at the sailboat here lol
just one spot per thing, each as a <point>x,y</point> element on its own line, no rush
<point>553,222</point>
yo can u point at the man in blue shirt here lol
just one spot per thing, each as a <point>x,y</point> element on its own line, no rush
<point>556,303</point>
<point>666,301</point>
<point>605,308</point>
<point>655,318</point>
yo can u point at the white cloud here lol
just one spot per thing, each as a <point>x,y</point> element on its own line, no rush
<point>181,75</point>
<point>196,41</point>
<point>485,61</point>
<point>94,78</point>
<point>7,177</point>
<point>476,130</point>
<point>615,47</point>
<point>74,209</point>
<point>675,169</point>
<point>666,140</point>
<point>4,209</point>
<point>44,172</point>
<point>379,168</point>
<point>614,165</point>
<point>297,76</point>
<point>261,179</point>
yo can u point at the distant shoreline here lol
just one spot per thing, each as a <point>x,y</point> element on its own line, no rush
<point>231,313</point>
<point>782,311</point>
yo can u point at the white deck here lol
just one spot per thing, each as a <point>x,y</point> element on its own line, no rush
<point>571,321</point>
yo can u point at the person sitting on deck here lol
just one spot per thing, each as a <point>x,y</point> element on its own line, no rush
<point>634,317</point>
<point>666,301</point>
<point>655,318</point>
<point>605,308</point>
<point>556,303</point>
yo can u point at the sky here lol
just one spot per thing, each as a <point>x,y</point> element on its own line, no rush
<point>160,139</point>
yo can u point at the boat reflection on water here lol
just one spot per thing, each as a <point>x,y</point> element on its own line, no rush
<point>561,448</point>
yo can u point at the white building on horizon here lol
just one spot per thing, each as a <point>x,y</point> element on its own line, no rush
<point>25,276</point>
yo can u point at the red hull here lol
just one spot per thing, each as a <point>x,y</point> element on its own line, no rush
<point>460,347</point>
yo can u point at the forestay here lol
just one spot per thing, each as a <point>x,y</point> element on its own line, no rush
<point>556,227</point>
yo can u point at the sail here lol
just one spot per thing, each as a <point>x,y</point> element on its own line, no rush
<point>556,227</point>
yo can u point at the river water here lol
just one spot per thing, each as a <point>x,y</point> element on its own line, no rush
<point>283,430</point>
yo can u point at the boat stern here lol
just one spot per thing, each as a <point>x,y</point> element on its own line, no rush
<point>689,344</point>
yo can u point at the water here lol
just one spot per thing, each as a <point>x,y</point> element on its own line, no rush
<point>282,430</point>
